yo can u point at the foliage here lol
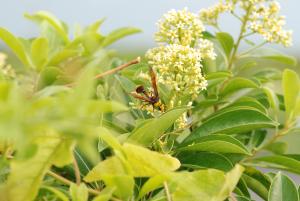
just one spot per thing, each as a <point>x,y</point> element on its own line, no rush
<point>70,130</point>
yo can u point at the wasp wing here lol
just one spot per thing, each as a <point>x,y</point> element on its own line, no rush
<point>154,82</point>
<point>143,98</point>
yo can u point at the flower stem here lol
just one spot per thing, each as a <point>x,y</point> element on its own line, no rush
<point>232,197</point>
<point>121,67</point>
<point>114,70</point>
<point>169,198</point>
<point>277,135</point>
<point>76,171</point>
<point>68,182</point>
<point>237,44</point>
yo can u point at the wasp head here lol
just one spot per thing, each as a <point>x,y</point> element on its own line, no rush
<point>140,89</point>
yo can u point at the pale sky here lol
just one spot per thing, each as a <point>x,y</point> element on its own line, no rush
<point>138,13</point>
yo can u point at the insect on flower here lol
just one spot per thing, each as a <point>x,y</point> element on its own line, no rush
<point>152,97</point>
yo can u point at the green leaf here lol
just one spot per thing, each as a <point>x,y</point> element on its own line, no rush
<point>256,139</point>
<point>285,59</point>
<point>118,34</point>
<point>138,162</point>
<point>152,129</point>
<point>216,143</point>
<point>124,185</point>
<point>39,53</point>
<point>105,194</point>
<point>291,89</point>
<point>48,76</point>
<point>285,162</point>
<point>108,167</point>
<point>146,163</point>
<point>62,56</point>
<point>58,26</point>
<point>231,121</point>
<point>207,103</point>
<point>242,198</point>
<point>267,75</point>
<point>110,140</point>
<point>95,26</point>
<point>79,193</point>
<point>273,101</point>
<point>283,189</point>
<point>209,185</point>
<point>278,147</point>
<point>242,189</point>
<point>15,45</point>
<point>237,84</point>
<point>249,102</point>
<point>51,91</point>
<point>90,41</point>
<point>217,75</point>
<point>257,182</point>
<point>256,186</point>
<point>56,42</point>
<point>55,191</point>
<point>215,78</point>
<point>201,160</point>
<point>23,183</point>
<point>152,184</point>
<point>226,41</point>
<point>274,55</point>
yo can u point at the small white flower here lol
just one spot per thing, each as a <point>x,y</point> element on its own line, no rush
<point>179,27</point>
<point>179,68</point>
<point>264,18</point>
<point>6,70</point>
<point>211,15</point>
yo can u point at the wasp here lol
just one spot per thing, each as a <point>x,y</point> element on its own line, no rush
<point>152,97</point>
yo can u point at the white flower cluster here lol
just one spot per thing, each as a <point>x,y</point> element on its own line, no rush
<point>179,67</point>
<point>266,21</point>
<point>179,27</point>
<point>178,60</point>
<point>262,18</point>
<point>211,15</point>
<point>6,70</point>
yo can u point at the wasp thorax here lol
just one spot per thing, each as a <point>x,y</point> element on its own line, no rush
<point>140,89</point>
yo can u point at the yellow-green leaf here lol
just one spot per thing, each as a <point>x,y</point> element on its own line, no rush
<point>26,175</point>
<point>109,167</point>
<point>216,143</point>
<point>15,45</point>
<point>138,162</point>
<point>39,53</point>
<point>209,185</point>
<point>105,194</point>
<point>152,129</point>
<point>124,185</point>
<point>283,189</point>
<point>79,193</point>
<point>291,89</point>
<point>147,163</point>
<point>231,121</point>
<point>237,84</point>
<point>52,20</point>
<point>226,42</point>
<point>118,34</point>
<point>60,195</point>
